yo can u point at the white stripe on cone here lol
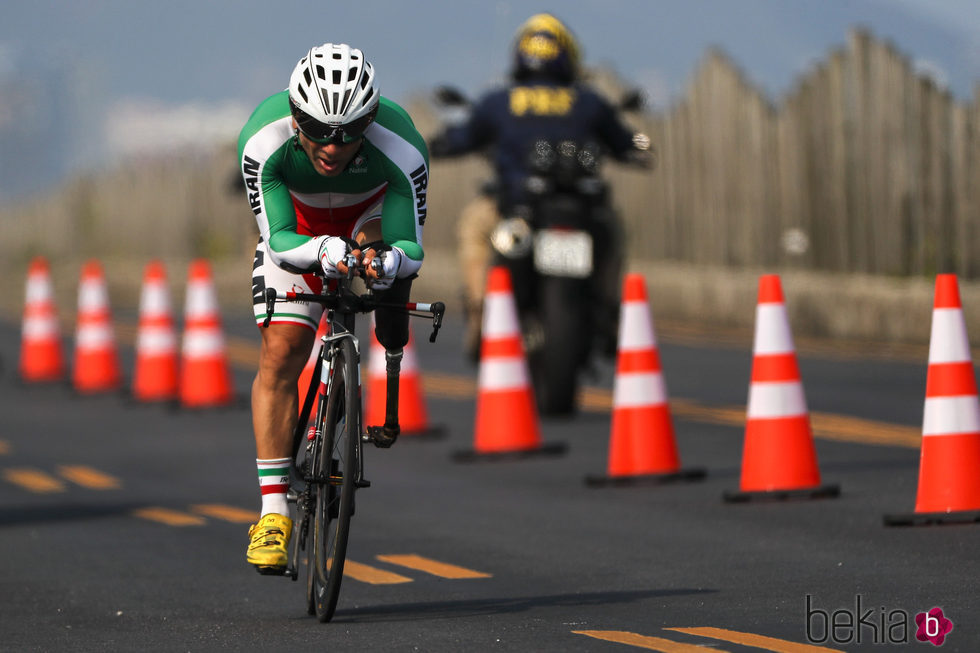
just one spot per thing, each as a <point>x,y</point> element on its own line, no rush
<point>951,415</point>
<point>92,295</point>
<point>500,317</point>
<point>95,336</point>
<point>203,343</point>
<point>201,300</point>
<point>638,389</point>
<point>502,373</point>
<point>155,301</point>
<point>156,340</point>
<point>776,399</point>
<point>948,342</point>
<point>38,290</point>
<point>40,328</point>
<point>636,328</point>
<point>772,334</point>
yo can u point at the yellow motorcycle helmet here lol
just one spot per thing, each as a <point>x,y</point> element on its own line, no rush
<point>545,47</point>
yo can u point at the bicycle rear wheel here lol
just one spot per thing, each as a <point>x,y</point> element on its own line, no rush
<point>334,468</point>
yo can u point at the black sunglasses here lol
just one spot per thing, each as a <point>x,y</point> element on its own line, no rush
<point>325,134</point>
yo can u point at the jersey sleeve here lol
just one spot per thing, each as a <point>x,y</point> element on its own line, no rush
<point>261,148</point>
<point>405,207</point>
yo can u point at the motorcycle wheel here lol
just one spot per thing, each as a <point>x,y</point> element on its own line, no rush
<point>565,347</point>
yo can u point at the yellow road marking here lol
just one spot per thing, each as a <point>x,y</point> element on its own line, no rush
<point>227,513</point>
<point>169,517</point>
<point>33,480</point>
<point>429,566</point>
<point>758,641</point>
<point>372,575</point>
<point>88,477</point>
<point>644,641</point>
<point>4,447</point>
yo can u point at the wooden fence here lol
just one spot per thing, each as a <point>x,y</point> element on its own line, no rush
<point>864,166</point>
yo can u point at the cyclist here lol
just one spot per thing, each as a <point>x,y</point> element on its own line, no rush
<point>545,99</point>
<point>330,165</point>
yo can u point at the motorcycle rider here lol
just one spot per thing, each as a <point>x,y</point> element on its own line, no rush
<point>546,99</point>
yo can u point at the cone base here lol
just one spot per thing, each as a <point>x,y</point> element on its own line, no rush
<point>818,492</point>
<point>551,449</point>
<point>690,474</point>
<point>933,518</point>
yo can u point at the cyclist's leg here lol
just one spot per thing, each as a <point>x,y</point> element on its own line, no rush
<point>285,348</point>
<point>391,330</point>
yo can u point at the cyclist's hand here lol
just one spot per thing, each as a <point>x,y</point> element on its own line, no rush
<point>333,250</point>
<point>381,268</point>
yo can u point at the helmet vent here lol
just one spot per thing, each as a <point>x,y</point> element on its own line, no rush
<point>336,76</point>
<point>321,73</point>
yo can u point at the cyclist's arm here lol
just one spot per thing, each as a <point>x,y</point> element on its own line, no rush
<point>405,207</point>
<point>262,150</point>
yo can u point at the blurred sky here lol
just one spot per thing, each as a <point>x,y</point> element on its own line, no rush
<point>147,73</point>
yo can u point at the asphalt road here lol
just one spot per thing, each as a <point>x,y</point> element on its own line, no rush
<point>123,526</point>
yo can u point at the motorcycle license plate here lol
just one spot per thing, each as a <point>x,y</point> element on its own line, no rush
<point>561,253</point>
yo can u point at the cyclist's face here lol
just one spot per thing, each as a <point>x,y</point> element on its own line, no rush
<point>329,160</point>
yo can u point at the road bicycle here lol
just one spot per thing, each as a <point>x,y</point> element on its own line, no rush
<point>328,465</point>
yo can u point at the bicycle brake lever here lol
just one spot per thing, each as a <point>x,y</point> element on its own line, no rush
<point>438,310</point>
<point>270,306</point>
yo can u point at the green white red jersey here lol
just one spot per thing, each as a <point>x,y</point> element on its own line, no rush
<point>293,204</point>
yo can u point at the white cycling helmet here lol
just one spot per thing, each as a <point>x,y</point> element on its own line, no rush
<point>333,94</point>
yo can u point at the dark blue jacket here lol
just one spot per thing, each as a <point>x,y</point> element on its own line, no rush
<point>509,120</point>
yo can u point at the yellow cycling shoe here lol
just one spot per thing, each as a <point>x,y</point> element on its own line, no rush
<point>267,549</point>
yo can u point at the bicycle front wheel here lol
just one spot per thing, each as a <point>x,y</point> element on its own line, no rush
<point>335,468</point>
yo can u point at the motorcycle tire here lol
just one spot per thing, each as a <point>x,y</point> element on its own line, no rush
<point>565,348</point>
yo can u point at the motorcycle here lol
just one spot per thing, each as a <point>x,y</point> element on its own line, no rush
<point>552,243</point>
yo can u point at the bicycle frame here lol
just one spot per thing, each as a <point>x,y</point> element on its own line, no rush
<point>342,305</point>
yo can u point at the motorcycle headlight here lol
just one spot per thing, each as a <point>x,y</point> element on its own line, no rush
<point>512,237</point>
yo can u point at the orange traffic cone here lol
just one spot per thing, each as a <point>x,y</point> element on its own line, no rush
<point>41,357</point>
<point>413,416</point>
<point>205,380</point>
<point>641,446</point>
<point>507,422</point>
<point>306,376</point>
<point>96,364</point>
<point>155,370</point>
<point>949,482</point>
<point>779,460</point>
